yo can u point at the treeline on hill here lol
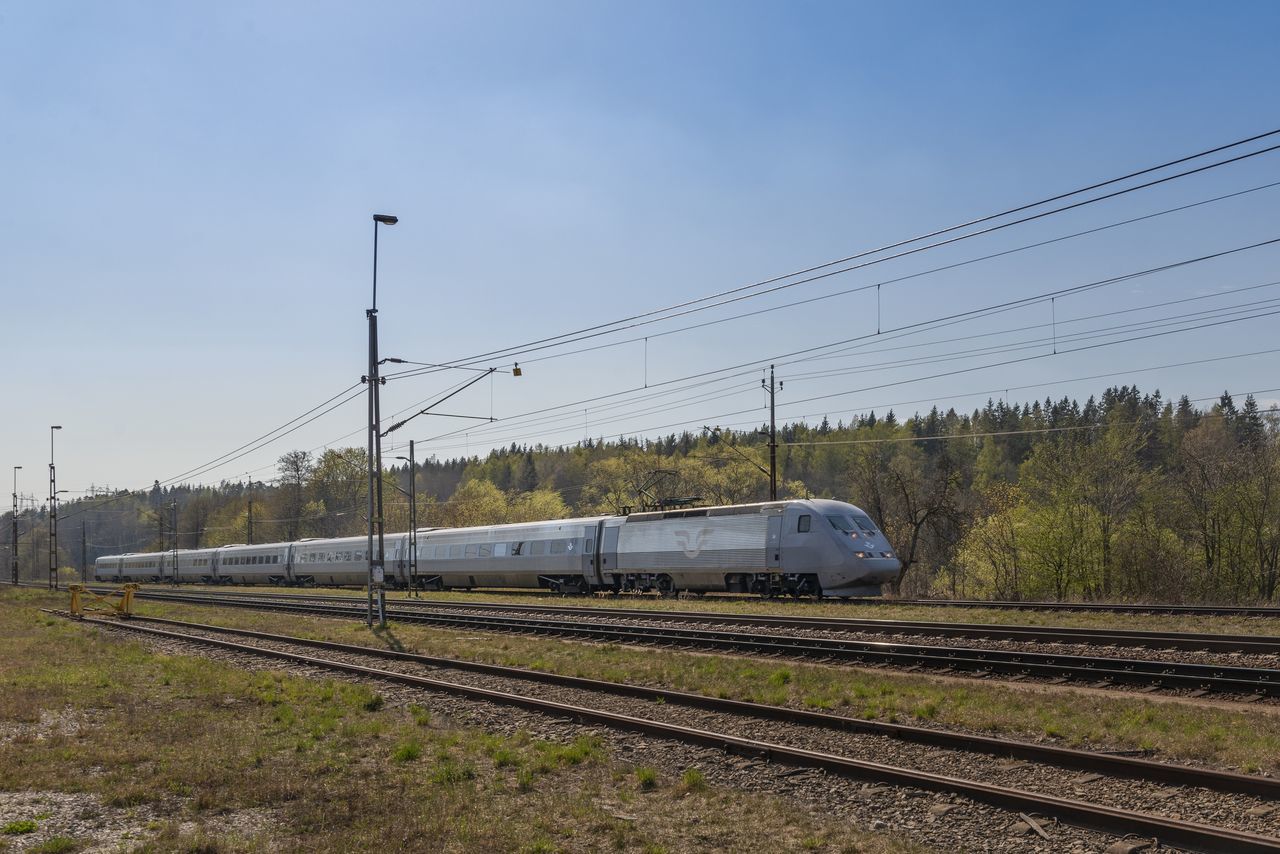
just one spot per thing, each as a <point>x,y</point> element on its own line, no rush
<point>1129,497</point>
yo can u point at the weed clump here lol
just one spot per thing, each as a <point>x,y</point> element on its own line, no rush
<point>22,825</point>
<point>647,778</point>
<point>449,772</point>
<point>692,780</point>
<point>407,752</point>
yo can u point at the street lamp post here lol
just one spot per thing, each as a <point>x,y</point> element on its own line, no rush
<point>14,556</point>
<point>376,564</point>
<point>53,514</point>
<point>413,521</point>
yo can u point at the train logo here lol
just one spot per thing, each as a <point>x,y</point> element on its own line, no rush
<point>700,538</point>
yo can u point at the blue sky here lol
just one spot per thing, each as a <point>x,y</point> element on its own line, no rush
<point>185,240</point>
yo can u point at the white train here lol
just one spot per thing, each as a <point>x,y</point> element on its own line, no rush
<point>805,547</point>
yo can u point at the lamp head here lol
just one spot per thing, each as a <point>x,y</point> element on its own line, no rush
<point>55,426</point>
<point>386,219</point>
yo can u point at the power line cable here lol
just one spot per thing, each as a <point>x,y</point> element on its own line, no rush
<point>733,294</point>
<point>911,328</point>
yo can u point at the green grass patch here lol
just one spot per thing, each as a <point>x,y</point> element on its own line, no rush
<point>407,752</point>
<point>647,778</point>
<point>20,826</point>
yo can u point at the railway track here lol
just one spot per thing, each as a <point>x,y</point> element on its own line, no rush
<point>1098,670</point>
<point>1108,819</point>
<point>1096,607</point>
<point>1190,641</point>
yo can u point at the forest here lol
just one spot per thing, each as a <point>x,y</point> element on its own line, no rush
<point>1127,497</point>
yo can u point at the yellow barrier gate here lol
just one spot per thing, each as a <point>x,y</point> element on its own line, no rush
<point>124,608</point>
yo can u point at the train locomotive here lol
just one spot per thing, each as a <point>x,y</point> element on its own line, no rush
<point>810,547</point>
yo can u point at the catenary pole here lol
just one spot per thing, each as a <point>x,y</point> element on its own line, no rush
<point>376,564</point>
<point>53,514</point>
<point>14,556</point>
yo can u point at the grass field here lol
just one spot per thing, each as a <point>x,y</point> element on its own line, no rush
<point>1239,737</point>
<point>179,753</point>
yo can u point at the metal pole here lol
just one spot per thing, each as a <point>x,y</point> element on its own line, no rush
<point>84,554</point>
<point>773,442</point>
<point>376,563</point>
<point>380,574</point>
<point>174,508</point>
<point>413,522</point>
<point>372,379</point>
<point>15,525</point>
<point>53,515</point>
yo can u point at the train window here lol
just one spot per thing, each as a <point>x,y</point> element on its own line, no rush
<point>517,549</point>
<point>455,551</point>
<point>473,550</point>
<point>864,523</point>
<point>591,545</point>
<point>802,526</point>
<point>842,523</point>
<point>557,547</point>
<point>538,547</point>
<point>499,549</point>
<point>485,550</point>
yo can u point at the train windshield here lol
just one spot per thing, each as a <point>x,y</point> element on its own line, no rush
<point>852,524</point>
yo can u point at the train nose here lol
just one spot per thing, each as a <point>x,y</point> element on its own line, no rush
<point>879,568</point>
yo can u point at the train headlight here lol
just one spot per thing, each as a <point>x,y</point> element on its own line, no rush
<point>860,554</point>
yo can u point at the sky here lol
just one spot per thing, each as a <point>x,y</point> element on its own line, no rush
<point>186,240</point>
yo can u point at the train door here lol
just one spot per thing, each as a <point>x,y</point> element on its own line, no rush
<point>592,553</point>
<point>773,543</point>
<point>399,559</point>
<point>609,553</point>
<point>288,562</point>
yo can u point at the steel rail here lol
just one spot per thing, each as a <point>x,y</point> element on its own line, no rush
<point>1196,836</point>
<point>1208,641</point>
<point>1106,670</point>
<point>1113,764</point>
<point>994,604</point>
<point>1193,641</point>
<point>1111,607</point>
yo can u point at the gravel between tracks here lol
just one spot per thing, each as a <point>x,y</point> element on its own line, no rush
<point>933,819</point>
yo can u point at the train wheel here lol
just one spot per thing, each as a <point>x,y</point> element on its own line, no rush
<point>807,586</point>
<point>665,585</point>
